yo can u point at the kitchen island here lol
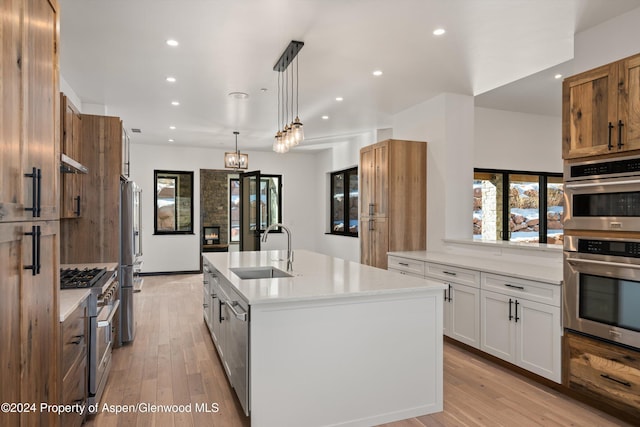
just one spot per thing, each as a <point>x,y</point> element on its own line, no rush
<point>337,343</point>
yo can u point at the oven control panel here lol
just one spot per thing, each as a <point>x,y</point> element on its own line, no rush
<point>610,247</point>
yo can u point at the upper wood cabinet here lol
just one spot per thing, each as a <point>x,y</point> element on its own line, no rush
<point>28,117</point>
<point>393,182</point>
<point>601,110</point>
<point>71,184</point>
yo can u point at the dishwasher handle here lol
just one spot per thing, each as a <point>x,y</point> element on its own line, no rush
<point>239,315</point>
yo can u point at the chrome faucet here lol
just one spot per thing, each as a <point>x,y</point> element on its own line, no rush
<point>289,251</point>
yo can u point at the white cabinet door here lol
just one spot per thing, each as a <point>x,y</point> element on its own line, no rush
<point>464,312</point>
<point>539,337</point>
<point>497,330</point>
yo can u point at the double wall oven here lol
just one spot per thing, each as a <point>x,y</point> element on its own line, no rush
<point>602,249</point>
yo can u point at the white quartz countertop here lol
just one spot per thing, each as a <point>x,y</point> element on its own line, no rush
<point>70,299</point>
<point>547,271</point>
<point>315,277</point>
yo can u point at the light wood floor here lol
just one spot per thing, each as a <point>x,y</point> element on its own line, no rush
<point>173,361</point>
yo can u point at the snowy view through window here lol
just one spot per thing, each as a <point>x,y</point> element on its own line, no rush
<point>523,224</point>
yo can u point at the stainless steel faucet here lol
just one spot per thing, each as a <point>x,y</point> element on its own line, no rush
<point>289,251</point>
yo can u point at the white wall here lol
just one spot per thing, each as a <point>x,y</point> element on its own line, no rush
<point>517,141</point>
<point>446,123</point>
<point>164,253</point>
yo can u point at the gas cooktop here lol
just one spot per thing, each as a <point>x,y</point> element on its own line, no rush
<point>77,278</point>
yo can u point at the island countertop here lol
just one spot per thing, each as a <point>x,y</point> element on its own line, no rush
<point>315,276</point>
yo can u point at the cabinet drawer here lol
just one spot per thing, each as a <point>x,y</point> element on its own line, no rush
<point>454,274</point>
<point>74,334</point>
<point>406,265</point>
<point>74,391</point>
<point>520,288</point>
<point>604,371</point>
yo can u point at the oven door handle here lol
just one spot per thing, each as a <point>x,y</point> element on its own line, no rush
<point>601,184</point>
<point>607,263</point>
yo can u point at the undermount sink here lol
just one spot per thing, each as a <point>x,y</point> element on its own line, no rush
<point>259,273</point>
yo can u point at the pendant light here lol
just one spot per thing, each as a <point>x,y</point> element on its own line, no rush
<point>291,133</point>
<point>236,160</point>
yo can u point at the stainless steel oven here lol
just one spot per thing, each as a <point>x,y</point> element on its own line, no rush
<point>603,194</point>
<point>602,288</point>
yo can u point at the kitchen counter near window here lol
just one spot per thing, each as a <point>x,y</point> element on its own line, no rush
<point>339,343</point>
<point>539,269</point>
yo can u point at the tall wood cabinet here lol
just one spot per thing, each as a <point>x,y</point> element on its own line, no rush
<point>601,110</point>
<point>29,226</point>
<point>94,237</point>
<point>393,191</point>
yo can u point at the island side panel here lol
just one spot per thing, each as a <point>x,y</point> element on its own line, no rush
<point>346,361</point>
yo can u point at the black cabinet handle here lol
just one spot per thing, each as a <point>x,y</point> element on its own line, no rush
<point>514,286</point>
<point>445,295</point>
<point>449,273</point>
<point>220,304</point>
<point>510,316</point>
<point>609,145</point>
<point>39,206</point>
<point>517,318</point>
<point>35,250</point>
<point>404,264</point>
<point>77,339</point>
<point>624,383</point>
<point>620,125</point>
<point>34,192</point>
<point>450,299</point>
<point>77,211</point>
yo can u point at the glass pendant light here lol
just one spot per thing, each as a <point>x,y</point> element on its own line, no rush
<point>296,127</point>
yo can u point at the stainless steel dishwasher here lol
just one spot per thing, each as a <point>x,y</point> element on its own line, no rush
<point>234,316</point>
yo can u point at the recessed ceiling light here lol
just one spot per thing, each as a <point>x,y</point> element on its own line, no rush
<point>339,98</point>
<point>439,31</point>
<point>172,42</point>
<point>325,117</point>
<point>171,140</point>
<point>175,103</point>
<point>558,76</point>
<point>171,79</point>
<point>239,95</point>
<point>377,73</point>
<point>172,127</point>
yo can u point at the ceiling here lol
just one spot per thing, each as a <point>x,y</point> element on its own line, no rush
<point>114,54</point>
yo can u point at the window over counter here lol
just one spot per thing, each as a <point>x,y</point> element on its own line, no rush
<point>173,209</point>
<point>510,205</point>
<point>344,202</point>
<point>270,204</point>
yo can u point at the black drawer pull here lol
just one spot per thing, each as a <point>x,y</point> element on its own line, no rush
<point>77,339</point>
<point>449,273</point>
<point>514,286</point>
<point>77,211</point>
<point>620,125</point>
<point>510,315</point>
<point>609,145</point>
<point>624,383</point>
<point>404,264</point>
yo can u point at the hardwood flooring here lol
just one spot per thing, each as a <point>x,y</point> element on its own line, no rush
<point>173,361</point>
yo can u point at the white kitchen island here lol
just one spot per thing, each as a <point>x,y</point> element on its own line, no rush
<point>339,343</point>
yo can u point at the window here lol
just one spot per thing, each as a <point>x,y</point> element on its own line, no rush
<point>508,205</point>
<point>270,204</point>
<point>173,202</point>
<point>344,202</point>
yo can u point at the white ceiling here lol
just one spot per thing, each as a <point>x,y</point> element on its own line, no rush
<point>113,53</point>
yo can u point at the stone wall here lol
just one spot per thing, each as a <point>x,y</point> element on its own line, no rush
<point>214,203</point>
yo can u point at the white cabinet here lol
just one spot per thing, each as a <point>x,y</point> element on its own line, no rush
<point>516,327</point>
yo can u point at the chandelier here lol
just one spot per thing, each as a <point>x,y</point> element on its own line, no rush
<point>236,160</point>
<point>290,133</point>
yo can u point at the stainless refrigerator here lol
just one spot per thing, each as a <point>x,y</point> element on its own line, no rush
<point>130,256</point>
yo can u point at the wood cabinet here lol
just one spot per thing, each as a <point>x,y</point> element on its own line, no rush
<point>29,200</point>
<point>94,237</point>
<point>73,342</point>
<point>392,199</point>
<point>605,372</point>
<point>71,184</point>
<point>519,329</point>
<point>601,110</point>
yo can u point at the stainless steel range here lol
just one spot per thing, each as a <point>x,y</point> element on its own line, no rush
<point>103,306</point>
